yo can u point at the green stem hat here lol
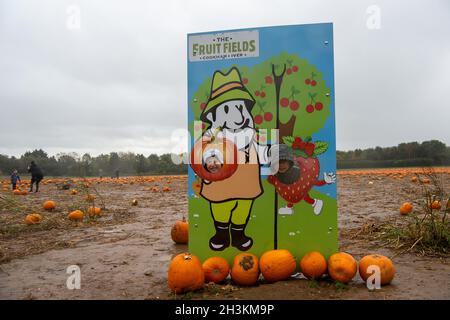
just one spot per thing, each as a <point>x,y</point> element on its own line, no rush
<point>227,87</point>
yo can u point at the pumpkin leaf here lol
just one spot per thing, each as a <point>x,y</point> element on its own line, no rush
<point>288,140</point>
<point>321,147</point>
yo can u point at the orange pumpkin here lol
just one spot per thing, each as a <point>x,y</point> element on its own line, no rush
<point>33,218</point>
<point>74,192</point>
<point>436,205</point>
<point>342,267</point>
<point>49,205</point>
<point>17,192</point>
<point>155,189</point>
<point>387,269</point>
<point>24,192</point>
<point>216,269</point>
<point>229,153</point>
<point>185,273</point>
<point>406,208</point>
<point>313,265</point>
<point>180,231</point>
<point>414,179</point>
<point>76,215</point>
<point>94,211</point>
<point>166,189</point>
<point>277,265</point>
<point>245,270</point>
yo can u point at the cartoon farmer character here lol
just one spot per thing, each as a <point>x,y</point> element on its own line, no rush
<point>228,112</point>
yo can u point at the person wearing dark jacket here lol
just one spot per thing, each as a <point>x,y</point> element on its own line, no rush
<point>14,178</point>
<point>36,175</point>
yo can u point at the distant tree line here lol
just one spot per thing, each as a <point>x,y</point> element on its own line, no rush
<point>106,165</point>
<point>428,153</point>
<point>411,154</point>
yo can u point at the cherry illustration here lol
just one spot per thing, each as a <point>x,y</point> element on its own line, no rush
<point>268,80</point>
<point>202,105</point>
<point>308,81</point>
<point>313,83</point>
<point>258,119</point>
<point>309,108</point>
<point>295,68</point>
<point>244,80</point>
<point>289,71</point>
<point>268,116</point>
<point>294,105</point>
<point>318,106</point>
<point>284,102</point>
<point>263,94</point>
<point>257,93</point>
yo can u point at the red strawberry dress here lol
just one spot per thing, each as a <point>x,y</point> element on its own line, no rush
<point>298,191</point>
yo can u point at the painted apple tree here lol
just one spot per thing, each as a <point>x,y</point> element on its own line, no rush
<point>304,99</point>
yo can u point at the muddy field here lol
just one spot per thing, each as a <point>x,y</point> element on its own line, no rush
<point>124,254</point>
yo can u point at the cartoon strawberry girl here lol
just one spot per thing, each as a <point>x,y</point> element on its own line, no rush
<point>296,176</point>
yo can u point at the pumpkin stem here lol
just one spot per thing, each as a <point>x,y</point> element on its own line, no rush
<point>183,219</point>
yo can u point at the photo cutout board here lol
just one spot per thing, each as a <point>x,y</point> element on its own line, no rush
<point>254,93</point>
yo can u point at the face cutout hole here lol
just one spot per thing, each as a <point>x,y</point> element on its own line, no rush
<point>213,161</point>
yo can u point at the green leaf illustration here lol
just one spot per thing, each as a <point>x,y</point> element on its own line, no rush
<point>321,147</point>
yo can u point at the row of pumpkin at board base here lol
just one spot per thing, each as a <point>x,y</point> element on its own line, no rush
<point>186,272</point>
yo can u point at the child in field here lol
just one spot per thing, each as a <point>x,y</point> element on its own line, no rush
<point>14,178</point>
<point>213,160</point>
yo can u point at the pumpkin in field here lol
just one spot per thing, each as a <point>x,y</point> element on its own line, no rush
<point>185,273</point>
<point>228,152</point>
<point>387,269</point>
<point>155,189</point>
<point>90,198</point>
<point>73,192</point>
<point>24,192</point>
<point>216,269</point>
<point>414,179</point>
<point>166,189</point>
<point>245,269</point>
<point>94,211</point>
<point>33,218</point>
<point>49,205</point>
<point>134,202</point>
<point>76,215</point>
<point>277,265</point>
<point>406,208</point>
<point>313,265</point>
<point>180,231</point>
<point>17,192</point>
<point>436,205</point>
<point>342,267</point>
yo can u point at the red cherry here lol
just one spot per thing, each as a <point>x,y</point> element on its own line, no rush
<point>309,108</point>
<point>244,80</point>
<point>257,93</point>
<point>202,105</point>
<point>258,119</point>
<point>284,102</point>
<point>268,79</point>
<point>307,81</point>
<point>318,106</point>
<point>295,68</point>
<point>289,71</point>
<point>294,105</point>
<point>313,83</point>
<point>268,116</point>
<point>263,94</point>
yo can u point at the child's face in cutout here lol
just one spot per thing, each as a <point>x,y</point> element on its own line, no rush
<point>213,165</point>
<point>283,166</point>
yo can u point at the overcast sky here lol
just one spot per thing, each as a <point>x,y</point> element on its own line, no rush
<point>118,83</point>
